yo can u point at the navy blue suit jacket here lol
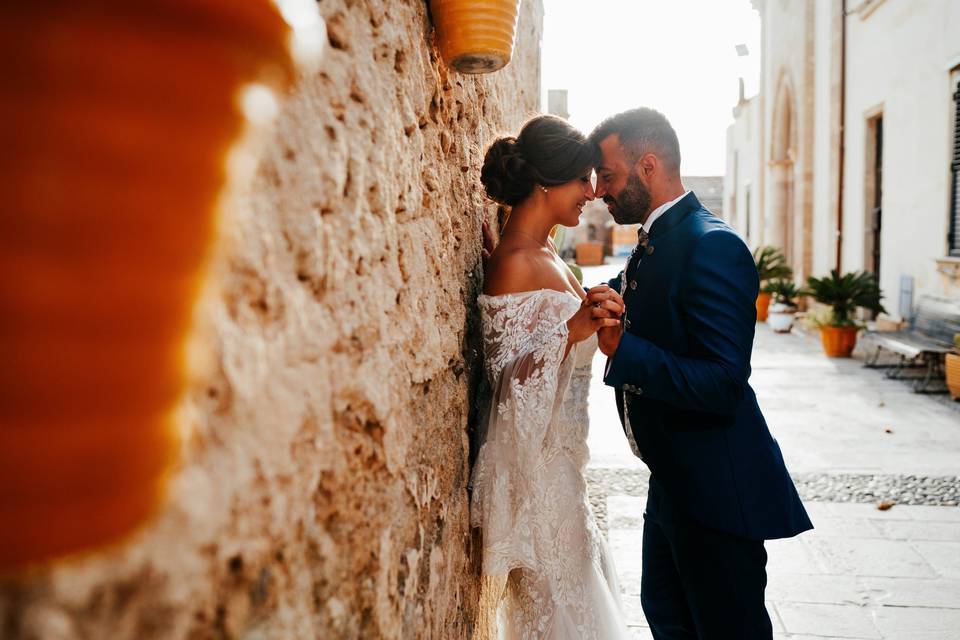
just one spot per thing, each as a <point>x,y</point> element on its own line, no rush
<point>684,360</point>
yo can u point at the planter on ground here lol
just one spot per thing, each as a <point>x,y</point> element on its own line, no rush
<point>763,306</point>
<point>589,254</point>
<point>844,294</point>
<point>838,342</point>
<point>771,265</point>
<point>780,317</point>
<point>952,367</point>
<point>783,292</point>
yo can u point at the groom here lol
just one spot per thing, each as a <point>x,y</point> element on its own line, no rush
<point>680,362</point>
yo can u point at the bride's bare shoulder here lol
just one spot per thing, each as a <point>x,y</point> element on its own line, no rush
<point>512,270</point>
<point>509,270</point>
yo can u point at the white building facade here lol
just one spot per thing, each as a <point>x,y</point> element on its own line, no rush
<point>849,154</point>
<point>741,183</point>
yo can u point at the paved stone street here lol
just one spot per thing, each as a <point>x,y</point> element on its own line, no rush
<point>851,438</point>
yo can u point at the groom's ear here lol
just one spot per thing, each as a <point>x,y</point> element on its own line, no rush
<point>646,165</point>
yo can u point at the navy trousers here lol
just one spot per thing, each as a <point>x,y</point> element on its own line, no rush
<point>699,583</point>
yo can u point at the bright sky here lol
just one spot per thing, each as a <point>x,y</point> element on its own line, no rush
<point>677,56</point>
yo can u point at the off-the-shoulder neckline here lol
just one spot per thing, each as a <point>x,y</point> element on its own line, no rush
<point>522,294</point>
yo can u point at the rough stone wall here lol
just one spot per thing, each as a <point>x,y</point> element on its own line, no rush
<point>323,486</point>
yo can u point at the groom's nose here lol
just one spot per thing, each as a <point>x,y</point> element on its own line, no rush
<point>600,190</point>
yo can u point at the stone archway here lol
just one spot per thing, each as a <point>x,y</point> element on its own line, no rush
<point>782,171</point>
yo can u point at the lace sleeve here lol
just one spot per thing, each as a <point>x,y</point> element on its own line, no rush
<point>524,338</point>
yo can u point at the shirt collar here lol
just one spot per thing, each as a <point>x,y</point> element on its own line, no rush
<point>659,211</point>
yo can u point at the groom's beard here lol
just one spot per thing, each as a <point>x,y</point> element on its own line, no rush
<point>633,203</point>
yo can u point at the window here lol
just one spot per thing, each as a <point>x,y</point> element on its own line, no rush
<point>873,185</point>
<point>953,240</point>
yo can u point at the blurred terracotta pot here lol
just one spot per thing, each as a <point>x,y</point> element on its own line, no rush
<point>589,254</point>
<point>475,36</point>
<point>838,342</point>
<point>763,306</point>
<point>952,365</point>
<point>116,120</point>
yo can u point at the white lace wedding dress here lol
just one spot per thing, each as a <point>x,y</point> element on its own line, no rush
<point>529,494</point>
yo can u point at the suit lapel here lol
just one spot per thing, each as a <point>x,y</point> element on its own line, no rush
<point>670,219</point>
<point>675,215</point>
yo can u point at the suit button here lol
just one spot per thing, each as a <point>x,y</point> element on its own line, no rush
<point>633,284</point>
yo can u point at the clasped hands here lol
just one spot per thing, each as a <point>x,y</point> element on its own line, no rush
<point>600,312</point>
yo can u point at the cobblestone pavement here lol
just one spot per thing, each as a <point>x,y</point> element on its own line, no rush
<point>943,491</point>
<point>852,439</point>
<point>862,573</point>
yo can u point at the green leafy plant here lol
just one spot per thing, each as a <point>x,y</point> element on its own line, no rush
<point>844,294</point>
<point>784,291</point>
<point>771,264</point>
<point>816,318</point>
<point>577,271</point>
<point>956,342</point>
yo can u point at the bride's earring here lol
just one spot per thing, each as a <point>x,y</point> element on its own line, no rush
<point>542,188</point>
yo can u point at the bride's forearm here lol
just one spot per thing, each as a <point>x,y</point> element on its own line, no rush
<point>570,340</point>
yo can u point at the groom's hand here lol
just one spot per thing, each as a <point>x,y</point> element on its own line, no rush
<point>606,299</point>
<point>609,339</point>
<point>609,301</point>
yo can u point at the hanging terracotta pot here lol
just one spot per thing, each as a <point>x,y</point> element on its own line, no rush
<point>763,306</point>
<point>838,342</point>
<point>475,36</point>
<point>116,120</point>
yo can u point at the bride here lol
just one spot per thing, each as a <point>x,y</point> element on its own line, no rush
<point>556,578</point>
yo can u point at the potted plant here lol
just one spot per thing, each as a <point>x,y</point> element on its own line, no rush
<point>953,368</point>
<point>784,293</point>
<point>771,265</point>
<point>844,294</point>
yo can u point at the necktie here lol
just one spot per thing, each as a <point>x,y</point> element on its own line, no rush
<point>643,241</point>
<point>643,238</point>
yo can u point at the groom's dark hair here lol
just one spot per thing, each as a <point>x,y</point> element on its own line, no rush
<point>640,131</point>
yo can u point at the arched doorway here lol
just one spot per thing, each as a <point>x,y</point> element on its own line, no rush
<point>783,143</point>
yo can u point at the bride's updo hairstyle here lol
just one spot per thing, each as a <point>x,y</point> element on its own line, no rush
<point>548,151</point>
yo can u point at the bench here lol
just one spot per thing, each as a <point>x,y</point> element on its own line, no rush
<point>923,343</point>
